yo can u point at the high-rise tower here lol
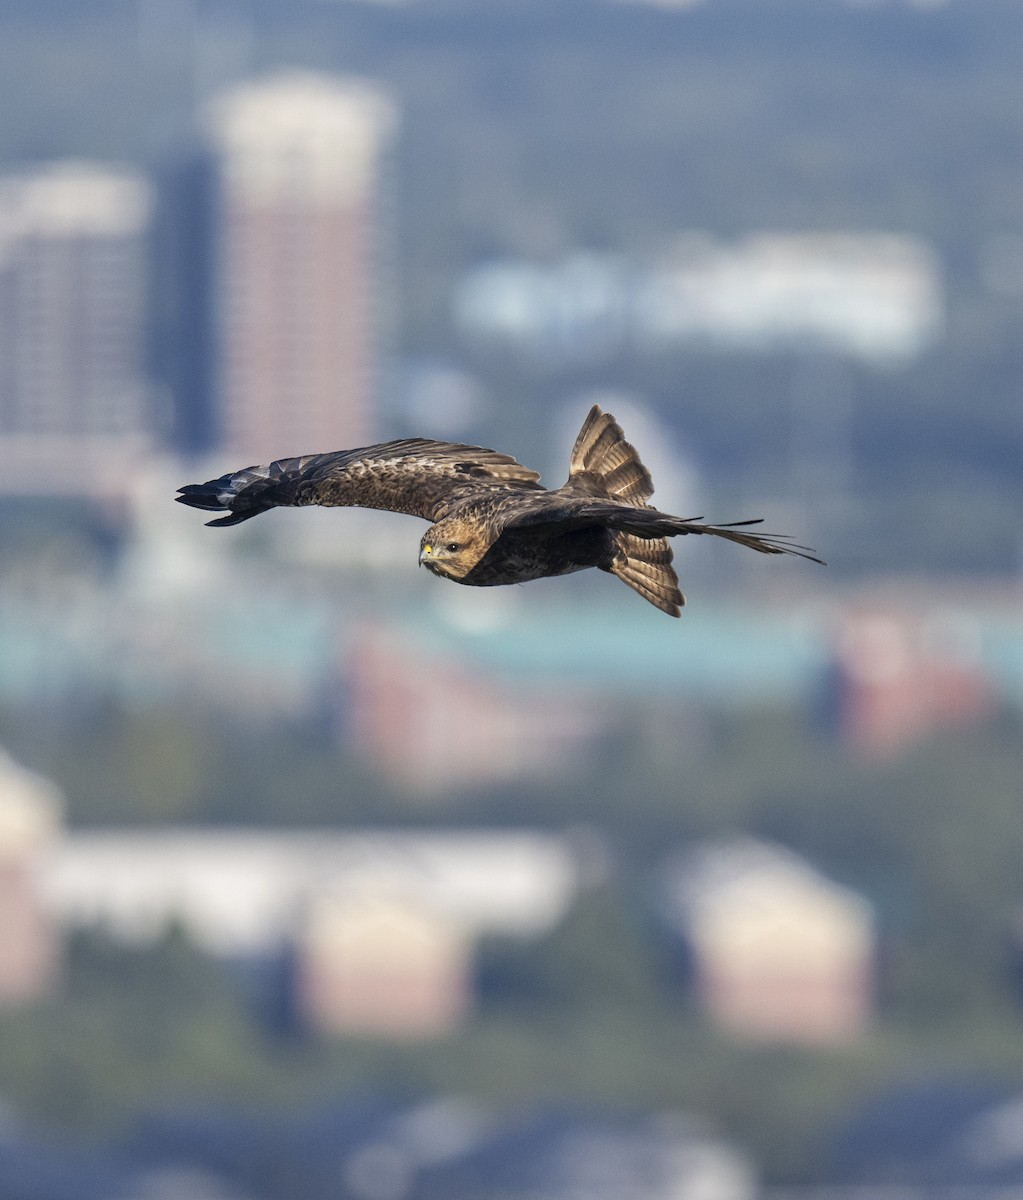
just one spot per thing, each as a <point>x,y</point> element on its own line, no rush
<point>296,263</point>
<point>74,403</point>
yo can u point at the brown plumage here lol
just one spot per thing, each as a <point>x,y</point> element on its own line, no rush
<point>492,521</point>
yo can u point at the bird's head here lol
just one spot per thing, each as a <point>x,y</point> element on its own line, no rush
<point>452,547</point>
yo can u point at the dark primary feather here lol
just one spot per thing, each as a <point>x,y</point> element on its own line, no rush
<point>416,476</point>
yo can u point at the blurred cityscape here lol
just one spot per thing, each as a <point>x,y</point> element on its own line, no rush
<point>321,877</point>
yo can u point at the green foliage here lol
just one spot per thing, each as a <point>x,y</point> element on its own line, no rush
<point>589,1011</point>
<point>127,1028</point>
<point>934,838</point>
<point>598,961</point>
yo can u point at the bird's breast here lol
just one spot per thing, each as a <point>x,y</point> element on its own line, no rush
<point>521,555</point>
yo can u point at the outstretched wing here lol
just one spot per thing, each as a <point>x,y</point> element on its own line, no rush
<point>414,476</point>
<point>558,511</point>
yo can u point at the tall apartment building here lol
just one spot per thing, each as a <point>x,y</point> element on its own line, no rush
<point>296,263</point>
<point>74,403</point>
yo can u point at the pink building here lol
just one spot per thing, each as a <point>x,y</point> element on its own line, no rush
<point>403,701</point>
<point>297,270</point>
<point>384,964</point>
<point>902,677</point>
<point>29,946</point>
<point>779,952</point>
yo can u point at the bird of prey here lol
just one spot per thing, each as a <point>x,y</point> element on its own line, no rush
<point>492,521</point>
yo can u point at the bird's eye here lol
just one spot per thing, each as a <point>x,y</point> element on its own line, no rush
<point>451,547</point>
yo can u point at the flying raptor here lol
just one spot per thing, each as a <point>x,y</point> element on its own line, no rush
<point>492,521</point>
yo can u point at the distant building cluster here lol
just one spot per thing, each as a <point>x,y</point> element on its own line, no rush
<point>881,672</point>
<point>379,929</point>
<point>263,249</point>
<point>880,677</point>
<point>272,348</point>
<point>871,296</point>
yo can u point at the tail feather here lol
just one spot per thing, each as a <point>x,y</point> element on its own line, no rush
<point>645,566</point>
<point>649,523</point>
<point>765,543</point>
<point>603,461</point>
<point>601,450</point>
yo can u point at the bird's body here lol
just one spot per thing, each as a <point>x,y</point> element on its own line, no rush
<point>493,523</point>
<point>519,555</point>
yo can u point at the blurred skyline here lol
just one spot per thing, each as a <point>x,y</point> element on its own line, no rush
<point>854,348</point>
<point>769,851</point>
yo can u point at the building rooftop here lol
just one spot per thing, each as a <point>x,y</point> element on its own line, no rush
<point>240,891</point>
<point>74,199</point>
<point>299,133</point>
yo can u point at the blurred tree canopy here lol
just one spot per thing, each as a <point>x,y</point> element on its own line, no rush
<point>595,1008</point>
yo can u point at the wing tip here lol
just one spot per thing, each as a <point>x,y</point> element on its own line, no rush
<point>198,495</point>
<point>208,498</point>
